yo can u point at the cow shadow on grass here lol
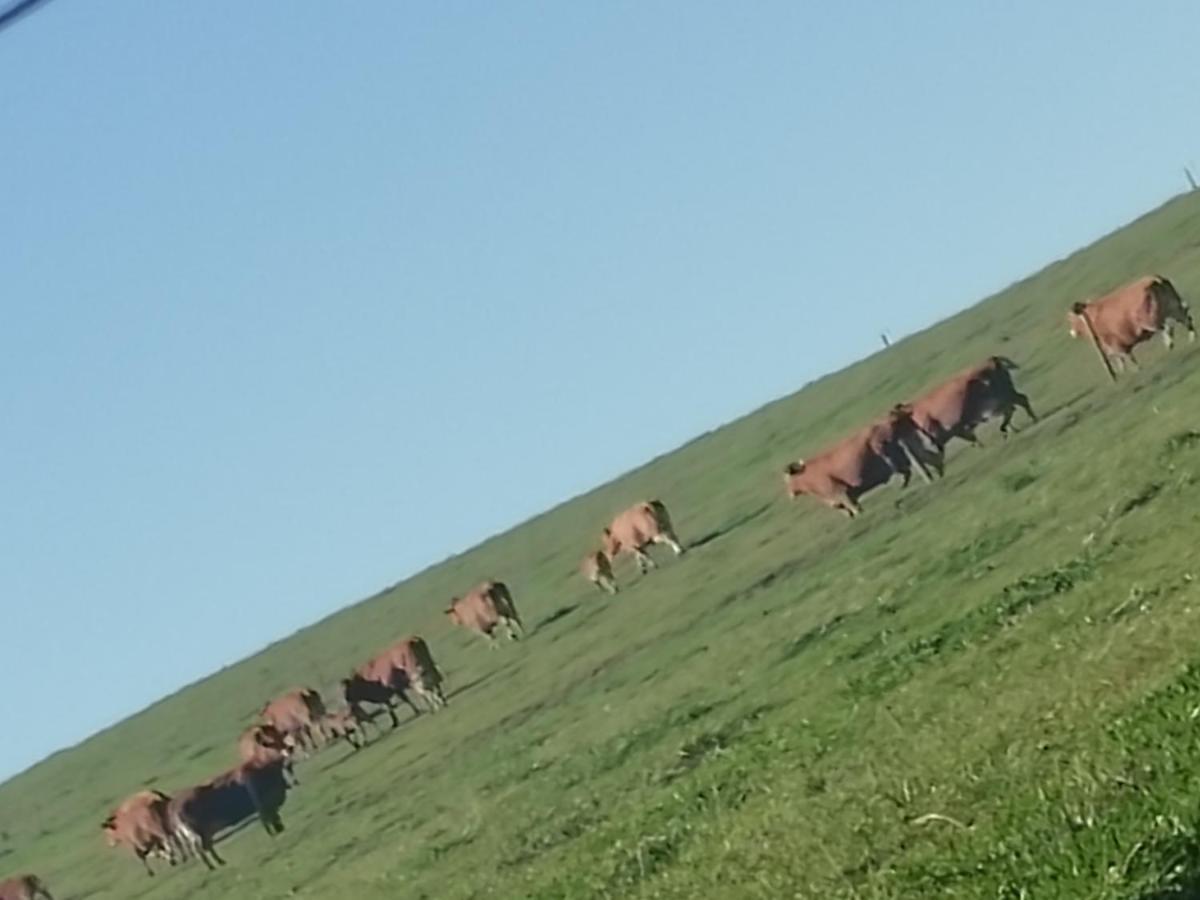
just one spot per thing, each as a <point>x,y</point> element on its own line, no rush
<point>727,527</point>
<point>561,613</point>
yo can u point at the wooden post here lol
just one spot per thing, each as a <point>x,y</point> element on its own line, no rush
<point>1080,309</point>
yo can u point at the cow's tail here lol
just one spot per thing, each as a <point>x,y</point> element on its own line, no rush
<point>506,598</point>
<point>662,518</point>
<point>39,889</point>
<point>1170,300</point>
<point>1003,362</point>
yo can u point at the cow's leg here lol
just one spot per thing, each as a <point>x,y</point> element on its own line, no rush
<point>671,541</point>
<point>144,856</point>
<point>644,562</point>
<point>407,699</point>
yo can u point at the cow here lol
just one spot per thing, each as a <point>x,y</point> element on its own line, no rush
<point>411,656</point>
<point>197,814</point>
<point>141,823</point>
<point>484,608</point>
<point>24,887</point>
<point>297,713</point>
<point>264,743</point>
<point>841,474</point>
<point>597,568</point>
<point>349,723</point>
<point>959,405</point>
<point>636,529</point>
<point>378,682</point>
<point>1124,318</point>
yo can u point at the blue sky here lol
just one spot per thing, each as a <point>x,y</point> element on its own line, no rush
<point>279,277</point>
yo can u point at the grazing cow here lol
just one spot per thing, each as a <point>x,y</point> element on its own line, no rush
<point>597,568</point>
<point>961,404</point>
<point>264,743</point>
<point>198,813</point>
<point>297,713</point>
<point>24,887</point>
<point>484,608</point>
<point>867,459</point>
<point>636,529</point>
<point>349,723</point>
<point>378,682</point>
<point>1130,315</point>
<point>141,824</point>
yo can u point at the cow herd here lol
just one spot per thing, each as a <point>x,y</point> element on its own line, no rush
<point>910,436</point>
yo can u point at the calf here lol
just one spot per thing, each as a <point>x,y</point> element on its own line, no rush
<point>636,529</point>
<point>265,743</point>
<point>297,713</point>
<point>141,823</point>
<point>377,682</point>
<point>484,608</point>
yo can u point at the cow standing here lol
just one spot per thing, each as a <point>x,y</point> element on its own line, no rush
<point>24,887</point>
<point>197,814</point>
<point>297,713</point>
<point>634,530</point>
<point>141,823</point>
<point>840,475</point>
<point>597,568</point>
<point>484,608</point>
<point>955,408</point>
<point>1126,317</point>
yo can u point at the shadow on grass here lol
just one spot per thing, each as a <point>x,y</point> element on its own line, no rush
<point>561,613</point>
<point>729,526</point>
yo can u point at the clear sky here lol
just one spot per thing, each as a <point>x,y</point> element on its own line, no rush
<point>300,297</point>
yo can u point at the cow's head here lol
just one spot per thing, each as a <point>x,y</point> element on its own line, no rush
<point>109,827</point>
<point>271,738</point>
<point>790,472</point>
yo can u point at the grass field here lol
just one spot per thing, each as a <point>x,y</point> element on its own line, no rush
<point>987,687</point>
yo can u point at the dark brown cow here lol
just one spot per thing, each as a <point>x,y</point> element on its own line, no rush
<point>197,814</point>
<point>297,713</point>
<point>484,608</point>
<point>840,475</point>
<point>597,568</point>
<point>955,408</point>
<point>636,529</point>
<point>141,824</point>
<point>378,682</point>
<point>265,743</point>
<point>1130,315</point>
<point>24,887</point>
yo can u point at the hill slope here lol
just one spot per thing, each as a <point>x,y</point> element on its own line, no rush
<point>981,688</point>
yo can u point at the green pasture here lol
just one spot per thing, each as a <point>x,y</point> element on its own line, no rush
<point>986,687</point>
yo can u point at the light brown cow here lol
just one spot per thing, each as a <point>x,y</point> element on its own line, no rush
<point>484,608</point>
<point>597,568</point>
<point>840,475</point>
<point>963,402</point>
<point>197,814</point>
<point>141,824</point>
<point>265,743</point>
<point>636,529</point>
<point>297,713</point>
<point>24,887</point>
<point>1130,315</point>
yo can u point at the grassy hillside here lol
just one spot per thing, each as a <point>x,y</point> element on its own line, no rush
<point>988,687</point>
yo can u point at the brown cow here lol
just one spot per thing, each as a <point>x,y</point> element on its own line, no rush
<point>411,656</point>
<point>24,887</point>
<point>484,608</point>
<point>961,404</point>
<point>297,713</point>
<point>636,529</point>
<point>349,723</point>
<point>141,824</point>
<point>198,813</point>
<point>378,682</point>
<point>867,459</point>
<point>264,743</point>
<point>1130,315</point>
<point>597,568</point>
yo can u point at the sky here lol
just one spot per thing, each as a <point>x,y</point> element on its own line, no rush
<point>298,298</point>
